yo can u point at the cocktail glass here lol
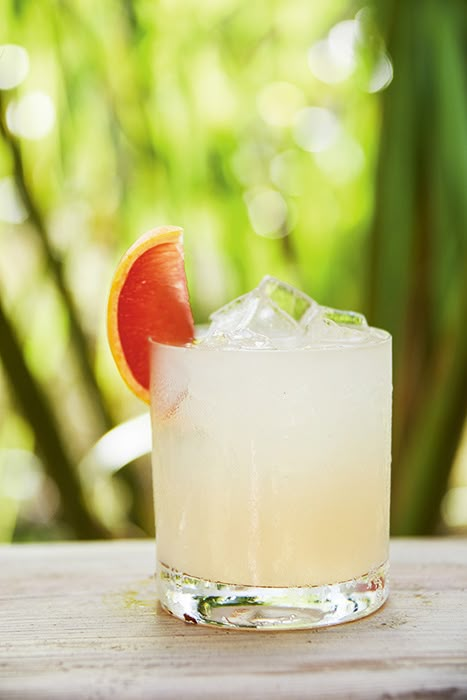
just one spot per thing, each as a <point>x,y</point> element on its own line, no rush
<point>272,480</point>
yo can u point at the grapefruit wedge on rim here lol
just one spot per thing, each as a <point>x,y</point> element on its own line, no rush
<point>148,299</point>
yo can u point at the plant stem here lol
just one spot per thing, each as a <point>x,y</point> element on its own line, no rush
<point>35,407</point>
<point>78,338</point>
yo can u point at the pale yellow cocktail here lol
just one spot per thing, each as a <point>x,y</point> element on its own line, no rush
<point>272,466</point>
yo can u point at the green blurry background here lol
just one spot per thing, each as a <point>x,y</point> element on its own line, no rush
<point>321,142</point>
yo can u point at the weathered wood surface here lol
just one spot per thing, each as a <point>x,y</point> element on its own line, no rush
<point>81,621</point>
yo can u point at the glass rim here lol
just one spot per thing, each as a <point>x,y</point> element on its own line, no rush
<point>384,337</point>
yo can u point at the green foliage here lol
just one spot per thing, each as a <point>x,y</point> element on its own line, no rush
<point>198,114</point>
<point>419,256</point>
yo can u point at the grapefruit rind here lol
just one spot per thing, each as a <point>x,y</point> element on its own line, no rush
<point>151,239</point>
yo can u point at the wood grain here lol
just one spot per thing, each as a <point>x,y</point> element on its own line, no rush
<point>81,621</point>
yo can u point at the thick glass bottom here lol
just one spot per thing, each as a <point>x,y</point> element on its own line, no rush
<point>204,602</point>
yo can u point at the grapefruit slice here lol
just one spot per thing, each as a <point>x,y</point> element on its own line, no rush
<point>148,299</point>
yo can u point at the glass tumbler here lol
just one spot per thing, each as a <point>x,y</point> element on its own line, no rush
<point>271,473</point>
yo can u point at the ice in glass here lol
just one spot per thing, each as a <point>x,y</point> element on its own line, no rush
<point>272,465</point>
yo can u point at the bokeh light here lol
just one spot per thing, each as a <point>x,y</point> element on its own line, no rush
<point>14,65</point>
<point>286,173</point>
<point>279,102</point>
<point>325,66</point>
<point>20,473</point>
<point>334,59</point>
<point>382,74</point>
<point>343,40</point>
<point>454,507</point>
<point>267,210</point>
<point>32,116</point>
<point>11,207</point>
<point>343,161</point>
<point>316,129</point>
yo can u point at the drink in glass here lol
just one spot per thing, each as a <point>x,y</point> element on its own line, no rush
<point>271,465</point>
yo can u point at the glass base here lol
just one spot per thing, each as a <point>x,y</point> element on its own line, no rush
<point>204,602</point>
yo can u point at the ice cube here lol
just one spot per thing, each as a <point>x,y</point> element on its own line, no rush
<point>236,314</point>
<point>241,339</point>
<point>270,320</point>
<point>274,309</point>
<point>324,328</point>
<point>274,315</point>
<point>285,297</point>
<point>345,318</point>
<point>251,320</point>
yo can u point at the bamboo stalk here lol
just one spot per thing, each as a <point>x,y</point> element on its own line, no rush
<point>421,175</point>
<point>78,338</point>
<point>57,463</point>
<point>426,463</point>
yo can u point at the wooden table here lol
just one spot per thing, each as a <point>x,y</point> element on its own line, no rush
<point>81,621</point>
